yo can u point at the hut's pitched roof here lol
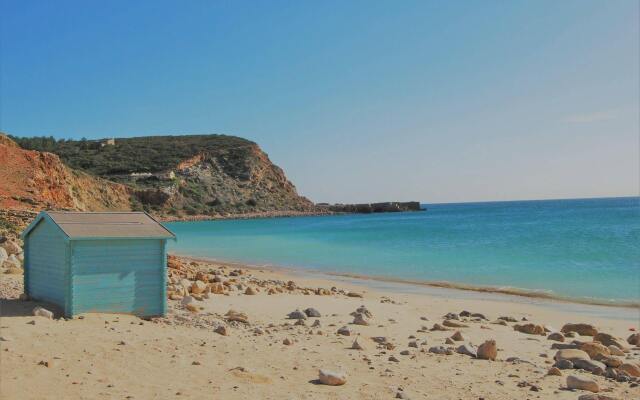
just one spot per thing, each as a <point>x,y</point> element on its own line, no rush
<point>105,225</point>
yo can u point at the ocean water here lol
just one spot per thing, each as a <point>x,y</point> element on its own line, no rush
<point>585,250</point>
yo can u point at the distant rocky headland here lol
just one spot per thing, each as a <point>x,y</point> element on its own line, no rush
<point>191,177</point>
<point>368,208</point>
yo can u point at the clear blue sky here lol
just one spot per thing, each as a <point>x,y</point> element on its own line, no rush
<point>357,100</point>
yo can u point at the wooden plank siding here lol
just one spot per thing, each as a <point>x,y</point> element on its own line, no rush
<point>118,276</point>
<point>46,267</point>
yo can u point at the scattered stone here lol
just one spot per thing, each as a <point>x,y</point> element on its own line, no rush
<point>356,345</point>
<point>42,312</point>
<point>571,355</point>
<point>530,329</point>
<point>630,369</point>
<point>192,307</point>
<point>438,327</point>
<point>468,350</point>
<point>48,363</point>
<point>556,336</point>
<point>198,287</point>
<point>581,329</point>
<point>300,322</point>
<point>222,330</point>
<point>413,343</point>
<point>250,291</point>
<point>596,397</point>
<point>554,371</point>
<point>287,342</point>
<point>393,359</point>
<point>454,324</point>
<point>360,319</point>
<point>233,315</point>
<point>362,310</point>
<point>297,314</point>
<point>595,349</point>
<point>457,336</point>
<point>563,364</point>
<point>593,366</point>
<point>354,294</point>
<point>576,382</point>
<point>316,324</point>
<point>345,331</point>
<point>508,319</point>
<point>634,339</point>
<point>331,378</point>
<point>608,340</point>
<point>312,313</point>
<point>488,350</point>
<point>405,353</point>
<point>449,341</point>
<point>615,351</point>
<point>440,350</point>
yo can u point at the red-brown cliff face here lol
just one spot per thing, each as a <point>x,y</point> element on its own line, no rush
<point>39,180</point>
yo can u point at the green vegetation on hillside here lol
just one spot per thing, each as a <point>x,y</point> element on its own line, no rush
<point>140,154</point>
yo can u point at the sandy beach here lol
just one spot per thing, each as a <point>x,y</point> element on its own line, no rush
<point>202,354</point>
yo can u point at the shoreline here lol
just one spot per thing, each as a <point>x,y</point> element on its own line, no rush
<point>370,281</point>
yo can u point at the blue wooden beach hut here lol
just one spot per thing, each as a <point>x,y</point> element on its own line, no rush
<point>112,262</point>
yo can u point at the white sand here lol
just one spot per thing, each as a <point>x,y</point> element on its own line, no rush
<point>156,359</point>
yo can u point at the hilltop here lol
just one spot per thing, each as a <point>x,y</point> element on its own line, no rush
<point>170,176</point>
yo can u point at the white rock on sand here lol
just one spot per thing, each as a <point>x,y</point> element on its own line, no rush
<point>578,382</point>
<point>331,378</point>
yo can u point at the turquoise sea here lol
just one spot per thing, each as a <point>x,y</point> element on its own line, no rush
<point>585,250</point>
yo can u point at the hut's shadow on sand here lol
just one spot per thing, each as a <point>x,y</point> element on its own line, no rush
<point>22,308</point>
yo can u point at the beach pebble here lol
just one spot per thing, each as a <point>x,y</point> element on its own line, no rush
<point>593,366</point>
<point>356,345</point>
<point>345,331</point>
<point>413,343</point>
<point>222,330</point>
<point>630,369</point>
<point>233,315</point>
<point>287,342</point>
<point>297,314</point>
<point>42,312</point>
<point>581,329</point>
<point>316,324</point>
<point>312,313</point>
<point>554,371</point>
<point>454,324</point>
<point>449,341</point>
<point>556,336</point>
<point>577,382</point>
<point>440,350</point>
<point>571,355</point>
<point>530,329</point>
<point>198,287</point>
<point>615,351</point>
<point>393,359</point>
<point>467,349</point>
<point>457,336</point>
<point>187,300</point>
<point>360,319</point>
<point>563,364</point>
<point>438,327</point>
<point>596,397</point>
<point>610,340</point>
<point>362,310</point>
<point>250,291</point>
<point>488,350</point>
<point>634,339</point>
<point>594,349</point>
<point>332,378</point>
<point>354,294</point>
<point>192,307</point>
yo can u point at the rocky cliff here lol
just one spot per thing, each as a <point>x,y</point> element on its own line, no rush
<point>169,176</point>
<point>39,180</point>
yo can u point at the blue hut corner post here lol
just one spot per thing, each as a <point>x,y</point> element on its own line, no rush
<point>25,252</point>
<point>165,271</point>
<point>68,303</point>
